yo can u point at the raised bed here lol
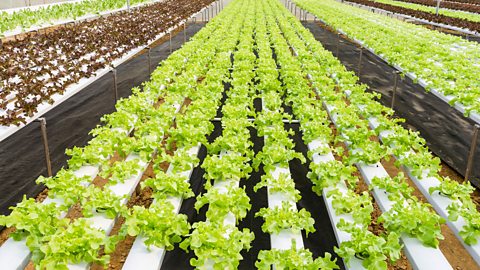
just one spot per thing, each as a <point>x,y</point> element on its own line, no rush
<point>447,131</point>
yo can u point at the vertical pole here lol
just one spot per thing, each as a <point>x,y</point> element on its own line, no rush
<point>437,8</point>
<point>128,5</point>
<point>43,128</point>
<point>471,153</point>
<point>203,15</point>
<point>115,90</point>
<point>395,85</point>
<point>360,61</point>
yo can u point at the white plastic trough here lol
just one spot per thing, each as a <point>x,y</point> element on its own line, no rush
<point>15,254</point>
<point>354,263</point>
<point>420,256</point>
<point>100,221</point>
<point>139,256</point>
<point>282,240</point>
<point>439,202</point>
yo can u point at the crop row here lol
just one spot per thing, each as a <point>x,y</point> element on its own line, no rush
<point>428,15</point>
<point>36,17</point>
<point>217,242</point>
<point>34,69</point>
<point>447,4</point>
<point>473,2</point>
<point>447,69</point>
<point>284,219</point>
<point>442,11</point>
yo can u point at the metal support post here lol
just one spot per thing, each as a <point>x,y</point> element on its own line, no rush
<point>43,128</point>
<point>115,89</point>
<point>437,8</point>
<point>128,5</point>
<point>471,153</point>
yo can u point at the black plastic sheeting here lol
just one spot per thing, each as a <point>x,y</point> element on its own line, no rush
<point>447,132</point>
<point>22,157</point>
<point>323,240</point>
<point>258,200</point>
<point>179,258</point>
